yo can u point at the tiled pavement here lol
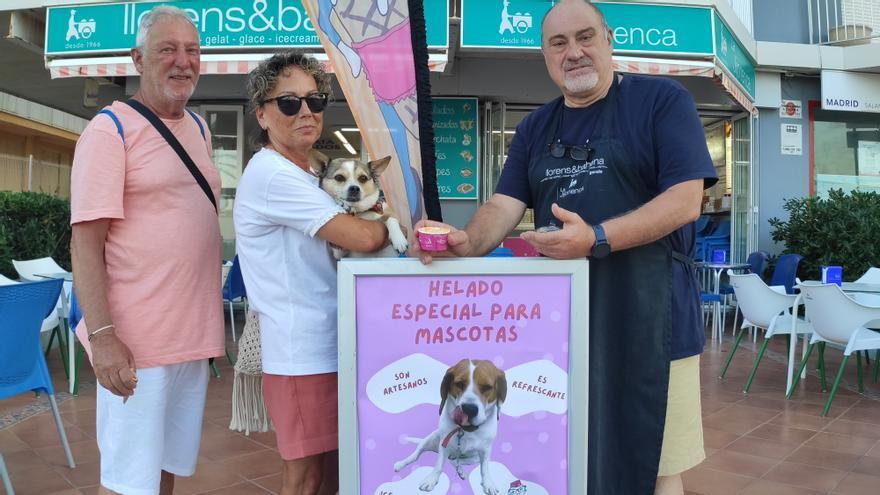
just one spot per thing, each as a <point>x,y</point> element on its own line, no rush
<point>757,443</point>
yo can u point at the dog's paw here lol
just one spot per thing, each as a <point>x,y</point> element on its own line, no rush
<point>489,488</point>
<point>399,465</point>
<point>396,236</point>
<point>400,245</point>
<point>430,482</point>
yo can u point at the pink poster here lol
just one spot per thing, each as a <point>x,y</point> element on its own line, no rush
<point>475,367</point>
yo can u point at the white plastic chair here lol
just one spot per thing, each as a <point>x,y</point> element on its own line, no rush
<point>872,276</point>
<point>840,321</point>
<point>27,269</point>
<point>33,269</point>
<point>762,307</point>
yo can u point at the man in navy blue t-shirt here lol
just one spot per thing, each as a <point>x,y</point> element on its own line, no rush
<point>615,170</point>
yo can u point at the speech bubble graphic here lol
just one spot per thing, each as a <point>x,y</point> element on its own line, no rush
<point>536,386</point>
<point>410,484</point>
<point>406,383</point>
<point>505,481</point>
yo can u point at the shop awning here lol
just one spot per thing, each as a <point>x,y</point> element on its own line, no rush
<point>228,63</point>
<point>664,67</point>
<point>730,86</point>
<point>698,68</point>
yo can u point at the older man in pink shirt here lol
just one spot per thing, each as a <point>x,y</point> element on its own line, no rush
<point>146,262</point>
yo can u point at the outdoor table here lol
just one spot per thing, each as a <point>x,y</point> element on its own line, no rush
<point>715,288</point>
<point>846,287</point>
<point>71,335</point>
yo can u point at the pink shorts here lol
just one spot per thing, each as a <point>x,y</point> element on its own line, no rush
<point>304,411</point>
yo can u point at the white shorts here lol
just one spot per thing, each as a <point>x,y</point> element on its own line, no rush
<point>158,429</point>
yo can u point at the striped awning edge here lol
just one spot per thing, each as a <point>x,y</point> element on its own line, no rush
<point>732,89</point>
<point>212,64</point>
<point>664,67</point>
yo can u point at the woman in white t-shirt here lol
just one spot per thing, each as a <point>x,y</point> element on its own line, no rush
<point>283,224</point>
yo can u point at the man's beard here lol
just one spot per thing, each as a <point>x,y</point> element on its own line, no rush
<point>582,83</point>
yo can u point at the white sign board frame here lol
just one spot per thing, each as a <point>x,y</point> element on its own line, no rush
<point>349,270</point>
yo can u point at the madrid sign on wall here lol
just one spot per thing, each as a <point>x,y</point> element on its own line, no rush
<point>850,91</point>
<point>231,24</point>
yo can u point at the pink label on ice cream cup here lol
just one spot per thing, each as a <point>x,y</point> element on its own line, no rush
<point>433,238</point>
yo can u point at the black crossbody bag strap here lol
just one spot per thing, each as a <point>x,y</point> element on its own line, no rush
<point>176,146</point>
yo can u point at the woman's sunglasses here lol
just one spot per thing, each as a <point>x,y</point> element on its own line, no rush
<point>290,105</point>
<point>557,150</point>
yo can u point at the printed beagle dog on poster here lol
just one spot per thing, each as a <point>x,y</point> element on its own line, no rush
<point>471,395</point>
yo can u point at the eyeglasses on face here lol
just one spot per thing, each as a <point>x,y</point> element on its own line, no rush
<point>557,150</point>
<point>290,105</point>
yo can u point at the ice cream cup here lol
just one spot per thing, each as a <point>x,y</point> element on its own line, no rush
<point>433,238</point>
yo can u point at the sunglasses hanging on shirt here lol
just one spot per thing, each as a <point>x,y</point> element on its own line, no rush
<point>290,105</point>
<point>577,153</point>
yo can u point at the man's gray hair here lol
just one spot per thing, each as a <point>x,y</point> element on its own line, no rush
<point>154,16</point>
<point>588,3</point>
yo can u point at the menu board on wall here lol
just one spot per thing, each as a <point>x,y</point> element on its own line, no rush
<point>455,142</point>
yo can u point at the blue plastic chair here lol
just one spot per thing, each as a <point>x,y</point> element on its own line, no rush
<point>720,238</point>
<point>234,289</point>
<point>758,263</point>
<point>74,313</point>
<point>709,303</point>
<point>786,271</point>
<point>22,365</point>
<point>703,224</point>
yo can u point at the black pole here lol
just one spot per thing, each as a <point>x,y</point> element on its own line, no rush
<point>426,122</point>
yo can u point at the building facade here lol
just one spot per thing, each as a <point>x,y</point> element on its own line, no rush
<point>760,86</point>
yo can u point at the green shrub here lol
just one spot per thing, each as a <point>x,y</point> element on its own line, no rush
<point>33,225</point>
<point>843,229</point>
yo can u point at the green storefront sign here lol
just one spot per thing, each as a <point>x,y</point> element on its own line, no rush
<point>638,28</point>
<point>734,58</point>
<point>253,24</point>
<point>455,142</point>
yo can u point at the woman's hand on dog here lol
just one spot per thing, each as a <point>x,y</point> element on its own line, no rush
<point>458,243</point>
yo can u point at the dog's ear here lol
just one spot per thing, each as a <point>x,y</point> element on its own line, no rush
<point>501,386</point>
<point>445,385</point>
<point>500,391</point>
<point>379,166</point>
<point>318,162</point>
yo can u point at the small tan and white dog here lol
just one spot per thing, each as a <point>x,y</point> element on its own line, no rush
<point>471,395</point>
<point>355,186</point>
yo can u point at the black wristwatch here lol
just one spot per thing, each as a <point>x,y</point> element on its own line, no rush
<point>601,248</point>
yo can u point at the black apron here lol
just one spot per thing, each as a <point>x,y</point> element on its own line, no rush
<point>630,307</point>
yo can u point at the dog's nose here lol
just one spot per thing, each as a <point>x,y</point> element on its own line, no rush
<point>354,192</point>
<point>470,410</point>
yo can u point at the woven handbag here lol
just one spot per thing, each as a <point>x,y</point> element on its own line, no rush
<point>248,408</point>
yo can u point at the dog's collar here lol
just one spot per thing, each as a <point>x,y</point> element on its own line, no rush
<point>378,207</point>
<point>461,430</point>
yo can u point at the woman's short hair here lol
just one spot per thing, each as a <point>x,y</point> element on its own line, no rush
<point>263,79</point>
